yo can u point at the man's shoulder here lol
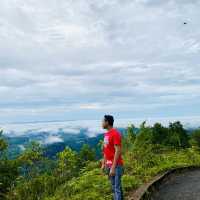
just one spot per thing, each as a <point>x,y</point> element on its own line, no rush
<point>116,131</point>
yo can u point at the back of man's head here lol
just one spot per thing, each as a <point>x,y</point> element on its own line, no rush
<point>109,119</point>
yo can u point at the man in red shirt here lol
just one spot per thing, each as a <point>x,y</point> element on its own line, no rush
<point>112,160</point>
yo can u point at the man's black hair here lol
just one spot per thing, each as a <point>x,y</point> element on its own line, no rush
<point>109,119</point>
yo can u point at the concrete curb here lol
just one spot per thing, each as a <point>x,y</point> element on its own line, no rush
<point>145,191</point>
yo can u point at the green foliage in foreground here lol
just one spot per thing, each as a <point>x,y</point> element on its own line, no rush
<point>140,166</point>
<point>76,176</point>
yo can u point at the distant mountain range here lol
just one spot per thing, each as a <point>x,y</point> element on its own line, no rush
<point>53,143</point>
<point>55,136</point>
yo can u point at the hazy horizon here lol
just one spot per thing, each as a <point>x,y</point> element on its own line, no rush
<point>92,126</point>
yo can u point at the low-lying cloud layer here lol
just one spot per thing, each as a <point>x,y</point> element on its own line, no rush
<point>89,127</point>
<point>79,59</point>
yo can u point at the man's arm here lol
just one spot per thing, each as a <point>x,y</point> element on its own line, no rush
<point>103,162</point>
<point>116,156</point>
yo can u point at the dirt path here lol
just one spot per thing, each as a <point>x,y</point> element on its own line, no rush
<point>185,186</point>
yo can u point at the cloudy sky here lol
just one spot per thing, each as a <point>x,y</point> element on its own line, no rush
<point>79,59</point>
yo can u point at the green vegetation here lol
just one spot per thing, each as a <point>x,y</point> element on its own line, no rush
<point>73,175</point>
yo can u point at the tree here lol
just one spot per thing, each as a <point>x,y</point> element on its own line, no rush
<point>67,163</point>
<point>128,138</point>
<point>86,153</point>
<point>3,143</point>
<point>144,137</point>
<point>195,138</point>
<point>178,136</point>
<point>30,160</point>
<point>8,169</point>
<point>160,134</point>
<point>131,135</point>
<point>8,175</point>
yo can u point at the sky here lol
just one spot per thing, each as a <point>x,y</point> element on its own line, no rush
<point>80,59</point>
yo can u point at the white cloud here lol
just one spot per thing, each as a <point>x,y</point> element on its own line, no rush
<point>22,148</point>
<point>80,59</point>
<point>52,139</point>
<point>50,132</point>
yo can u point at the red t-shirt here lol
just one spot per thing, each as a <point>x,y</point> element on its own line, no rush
<point>112,138</point>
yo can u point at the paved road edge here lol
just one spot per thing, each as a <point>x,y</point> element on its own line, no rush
<point>145,191</point>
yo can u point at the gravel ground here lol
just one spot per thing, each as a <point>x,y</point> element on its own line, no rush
<point>185,186</point>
